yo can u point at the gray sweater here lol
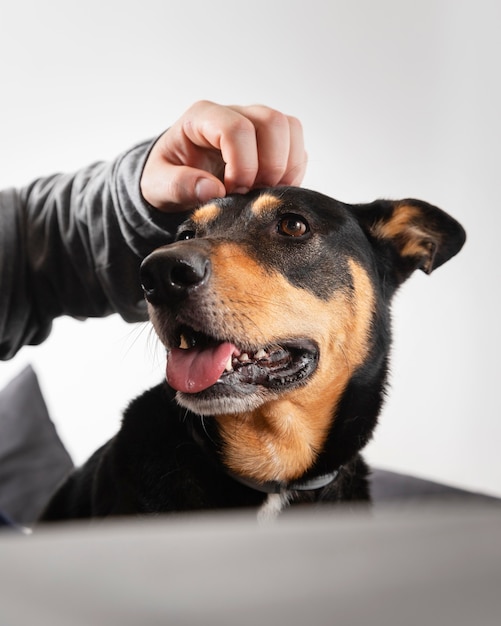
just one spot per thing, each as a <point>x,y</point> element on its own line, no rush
<point>71,244</point>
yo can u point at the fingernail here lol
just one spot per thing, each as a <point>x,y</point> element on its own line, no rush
<point>206,189</point>
<point>241,190</point>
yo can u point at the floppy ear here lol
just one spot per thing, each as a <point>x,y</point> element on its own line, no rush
<point>410,234</point>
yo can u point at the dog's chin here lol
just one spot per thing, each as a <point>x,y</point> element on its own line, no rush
<point>210,402</point>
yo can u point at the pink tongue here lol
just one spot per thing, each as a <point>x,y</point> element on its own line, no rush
<point>194,369</point>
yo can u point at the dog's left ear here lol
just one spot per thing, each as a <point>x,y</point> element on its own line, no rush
<point>410,234</point>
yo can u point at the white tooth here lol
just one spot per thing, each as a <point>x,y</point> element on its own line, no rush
<point>261,354</point>
<point>243,357</point>
<point>229,365</point>
<point>183,344</point>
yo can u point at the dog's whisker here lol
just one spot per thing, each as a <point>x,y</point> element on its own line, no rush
<point>184,415</point>
<point>204,426</point>
<point>135,334</point>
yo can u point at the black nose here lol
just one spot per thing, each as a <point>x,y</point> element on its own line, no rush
<point>173,272</point>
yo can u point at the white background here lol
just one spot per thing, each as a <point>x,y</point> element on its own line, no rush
<point>397,99</point>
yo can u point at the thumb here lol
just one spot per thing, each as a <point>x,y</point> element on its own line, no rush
<point>172,188</point>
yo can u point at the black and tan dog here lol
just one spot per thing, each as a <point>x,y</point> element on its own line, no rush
<point>274,310</point>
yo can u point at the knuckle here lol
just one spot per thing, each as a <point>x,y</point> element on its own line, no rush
<point>240,125</point>
<point>294,124</point>
<point>274,118</point>
<point>201,104</point>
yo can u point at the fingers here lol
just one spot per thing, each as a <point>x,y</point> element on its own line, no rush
<point>258,145</point>
<point>215,149</point>
<point>170,187</point>
<point>277,149</point>
<point>298,157</point>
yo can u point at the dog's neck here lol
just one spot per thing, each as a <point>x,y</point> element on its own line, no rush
<point>268,444</point>
<point>279,441</point>
<point>309,479</point>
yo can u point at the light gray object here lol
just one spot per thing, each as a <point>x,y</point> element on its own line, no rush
<point>429,566</point>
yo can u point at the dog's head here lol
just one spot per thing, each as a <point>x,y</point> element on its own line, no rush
<point>273,307</point>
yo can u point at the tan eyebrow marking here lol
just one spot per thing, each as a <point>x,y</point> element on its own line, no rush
<point>205,214</point>
<point>265,203</point>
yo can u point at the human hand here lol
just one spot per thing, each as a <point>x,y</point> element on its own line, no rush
<point>213,150</point>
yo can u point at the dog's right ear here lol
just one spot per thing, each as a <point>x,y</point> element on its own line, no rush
<point>410,234</point>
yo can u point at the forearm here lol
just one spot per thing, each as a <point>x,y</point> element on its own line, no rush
<point>72,245</point>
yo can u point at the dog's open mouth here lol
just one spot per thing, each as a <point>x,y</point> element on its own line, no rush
<point>200,362</point>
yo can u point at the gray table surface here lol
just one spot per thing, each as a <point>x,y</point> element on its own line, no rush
<point>422,565</point>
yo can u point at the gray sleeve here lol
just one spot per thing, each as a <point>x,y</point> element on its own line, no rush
<point>71,244</point>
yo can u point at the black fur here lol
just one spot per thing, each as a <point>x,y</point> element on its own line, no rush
<point>165,458</point>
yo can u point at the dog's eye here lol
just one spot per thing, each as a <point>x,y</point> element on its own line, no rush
<point>292,226</point>
<point>186,234</point>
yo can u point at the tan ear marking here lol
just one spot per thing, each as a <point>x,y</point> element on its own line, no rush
<point>406,229</point>
<point>400,222</point>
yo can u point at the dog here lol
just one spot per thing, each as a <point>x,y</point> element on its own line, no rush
<point>274,309</point>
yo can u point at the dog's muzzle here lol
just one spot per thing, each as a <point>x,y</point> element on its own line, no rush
<point>210,357</point>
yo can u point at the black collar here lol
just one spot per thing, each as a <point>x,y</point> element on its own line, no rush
<point>276,486</point>
<point>208,445</point>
